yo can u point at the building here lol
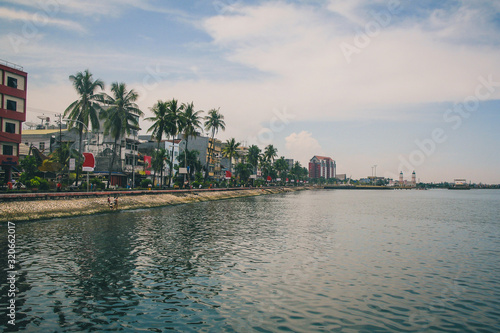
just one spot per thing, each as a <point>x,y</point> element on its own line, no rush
<point>401,182</point>
<point>204,146</point>
<point>322,167</point>
<point>13,88</point>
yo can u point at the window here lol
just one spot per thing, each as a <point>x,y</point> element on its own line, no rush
<point>11,82</point>
<point>10,127</point>
<point>8,150</point>
<point>41,146</point>
<point>11,105</point>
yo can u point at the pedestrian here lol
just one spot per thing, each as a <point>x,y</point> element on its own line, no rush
<point>110,204</point>
<point>116,202</point>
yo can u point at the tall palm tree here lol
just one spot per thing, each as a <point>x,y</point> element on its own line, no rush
<point>270,153</point>
<point>160,123</point>
<point>192,123</point>
<point>213,122</point>
<point>230,150</point>
<point>160,156</point>
<point>86,108</point>
<point>175,125</point>
<point>121,116</point>
<point>253,156</point>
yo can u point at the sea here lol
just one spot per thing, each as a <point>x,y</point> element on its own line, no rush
<point>307,261</point>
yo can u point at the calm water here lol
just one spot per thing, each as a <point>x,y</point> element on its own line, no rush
<point>314,261</point>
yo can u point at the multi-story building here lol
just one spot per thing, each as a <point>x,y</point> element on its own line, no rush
<point>322,167</point>
<point>13,87</point>
<point>204,145</point>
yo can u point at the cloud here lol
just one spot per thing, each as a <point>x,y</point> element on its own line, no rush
<point>402,65</point>
<point>38,19</point>
<point>302,146</point>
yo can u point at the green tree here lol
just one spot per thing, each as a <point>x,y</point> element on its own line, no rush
<point>175,125</point>
<point>190,158</point>
<point>253,157</point>
<point>86,108</point>
<point>158,160</point>
<point>213,122</point>
<point>192,124</point>
<point>230,151</point>
<point>270,153</point>
<point>121,117</point>
<point>281,167</point>
<point>243,171</point>
<point>30,168</point>
<point>160,122</point>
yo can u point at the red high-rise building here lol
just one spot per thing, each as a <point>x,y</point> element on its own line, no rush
<point>13,87</point>
<point>322,167</point>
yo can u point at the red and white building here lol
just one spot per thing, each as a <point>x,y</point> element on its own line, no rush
<point>13,87</point>
<point>322,167</point>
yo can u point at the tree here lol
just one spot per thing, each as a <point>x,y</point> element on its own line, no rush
<point>281,167</point>
<point>175,125</point>
<point>270,153</point>
<point>230,150</point>
<point>190,157</point>
<point>121,117</point>
<point>253,156</point>
<point>86,108</point>
<point>192,123</point>
<point>244,170</point>
<point>160,156</point>
<point>213,122</point>
<point>160,122</point>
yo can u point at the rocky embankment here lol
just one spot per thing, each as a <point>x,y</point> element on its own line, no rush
<point>46,209</point>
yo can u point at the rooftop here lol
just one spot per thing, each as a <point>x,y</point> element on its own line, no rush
<point>10,64</point>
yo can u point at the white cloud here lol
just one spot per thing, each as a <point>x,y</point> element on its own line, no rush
<point>38,19</point>
<point>302,147</point>
<point>300,48</point>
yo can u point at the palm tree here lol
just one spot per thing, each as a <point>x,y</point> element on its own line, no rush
<point>192,123</point>
<point>213,122</point>
<point>244,170</point>
<point>230,150</point>
<point>281,165</point>
<point>121,117</point>
<point>253,156</point>
<point>159,157</point>
<point>175,125</point>
<point>160,122</point>
<point>270,153</point>
<point>190,157</point>
<point>86,108</point>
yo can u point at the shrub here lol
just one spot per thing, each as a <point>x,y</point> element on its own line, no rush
<point>146,182</point>
<point>43,184</point>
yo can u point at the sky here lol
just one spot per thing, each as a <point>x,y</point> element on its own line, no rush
<point>379,86</point>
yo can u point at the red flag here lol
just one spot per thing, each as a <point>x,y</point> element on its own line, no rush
<point>89,162</point>
<point>147,160</point>
<point>228,174</point>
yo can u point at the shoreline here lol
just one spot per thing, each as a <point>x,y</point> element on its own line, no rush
<point>21,211</point>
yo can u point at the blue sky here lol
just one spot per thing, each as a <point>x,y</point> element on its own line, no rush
<point>365,82</point>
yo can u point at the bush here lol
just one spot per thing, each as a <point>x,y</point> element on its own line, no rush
<point>145,182</point>
<point>44,185</point>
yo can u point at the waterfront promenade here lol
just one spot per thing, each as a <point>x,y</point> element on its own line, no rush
<point>39,206</point>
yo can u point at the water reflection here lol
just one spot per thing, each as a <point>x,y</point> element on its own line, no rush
<point>303,262</point>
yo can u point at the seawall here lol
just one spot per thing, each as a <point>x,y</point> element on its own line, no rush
<point>77,206</point>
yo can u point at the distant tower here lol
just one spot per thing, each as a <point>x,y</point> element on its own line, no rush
<point>401,178</point>
<point>414,178</point>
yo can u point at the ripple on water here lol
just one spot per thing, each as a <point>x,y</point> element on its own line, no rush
<point>317,261</point>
